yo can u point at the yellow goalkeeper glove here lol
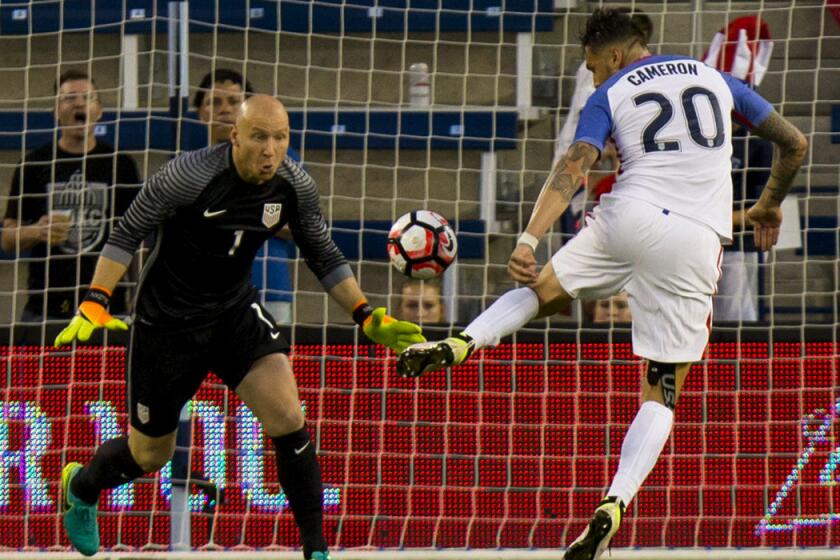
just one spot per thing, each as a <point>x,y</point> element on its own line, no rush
<point>92,314</point>
<point>384,329</point>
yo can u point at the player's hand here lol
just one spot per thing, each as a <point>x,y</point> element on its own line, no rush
<point>91,315</point>
<point>396,335</point>
<point>522,265</point>
<point>766,219</point>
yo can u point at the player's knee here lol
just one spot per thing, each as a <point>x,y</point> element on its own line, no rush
<point>550,293</point>
<point>543,291</point>
<point>152,458</point>
<point>282,422</point>
<point>152,461</point>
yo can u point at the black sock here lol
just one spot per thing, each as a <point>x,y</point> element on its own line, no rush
<point>112,465</point>
<point>300,477</point>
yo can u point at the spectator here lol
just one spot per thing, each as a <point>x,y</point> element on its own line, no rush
<point>63,202</point>
<point>421,302</point>
<point>217,101</point>
<point>227,90</point>
<point>743,50</point>
<point>613,310</point>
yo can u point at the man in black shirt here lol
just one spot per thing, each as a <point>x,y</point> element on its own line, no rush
<point>197,311</point>
<point>63,201</point>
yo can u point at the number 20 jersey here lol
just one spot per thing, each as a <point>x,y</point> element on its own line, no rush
<point>671,120</point>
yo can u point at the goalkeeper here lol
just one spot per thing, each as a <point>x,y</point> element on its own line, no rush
<point>196,311</point>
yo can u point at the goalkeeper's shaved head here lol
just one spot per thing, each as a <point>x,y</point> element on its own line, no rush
<point>260,138</point>
<point>261,105</point>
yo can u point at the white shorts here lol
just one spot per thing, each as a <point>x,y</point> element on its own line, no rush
<point>668,264</point>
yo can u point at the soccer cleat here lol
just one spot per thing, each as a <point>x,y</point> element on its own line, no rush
<point>596,537</point>
<point>79,517</point>
<point>421,358</point>
<point>320,556</point>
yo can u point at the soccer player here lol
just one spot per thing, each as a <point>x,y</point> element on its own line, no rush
<point>217,100</point>
<point>657,235</point>
<point>197,311</point>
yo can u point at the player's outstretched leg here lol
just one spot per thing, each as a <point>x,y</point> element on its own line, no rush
<point>596,537</point>
<point>421,358</point>
<point>507,315</point>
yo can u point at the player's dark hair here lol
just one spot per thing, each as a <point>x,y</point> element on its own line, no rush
<point>607,26</point>
<point>644,23</point>
<point>220,75</point>
<point>71,75</point>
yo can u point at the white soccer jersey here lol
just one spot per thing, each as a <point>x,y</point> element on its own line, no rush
<point>670,119</point>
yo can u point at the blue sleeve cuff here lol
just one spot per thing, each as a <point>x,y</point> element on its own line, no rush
<point>762,115</point>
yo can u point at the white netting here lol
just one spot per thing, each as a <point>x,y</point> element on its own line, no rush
<point>512,450</point>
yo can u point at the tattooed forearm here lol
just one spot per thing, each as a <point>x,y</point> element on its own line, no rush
<point>791,148</point>
<point>566,176</point>
<point>560,186</point>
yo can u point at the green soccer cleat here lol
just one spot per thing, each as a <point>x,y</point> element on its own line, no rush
<point>320,556</point>
<point>596,537</point>
<point>421,358</point>
<point>79,517</point>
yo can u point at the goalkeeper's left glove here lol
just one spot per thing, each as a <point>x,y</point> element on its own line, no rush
<point>384,329</point>
<point>92,314</point>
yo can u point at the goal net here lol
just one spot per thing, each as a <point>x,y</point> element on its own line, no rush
<point>452,106</point>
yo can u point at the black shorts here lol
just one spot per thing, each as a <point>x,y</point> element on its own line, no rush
<point>165,368</point>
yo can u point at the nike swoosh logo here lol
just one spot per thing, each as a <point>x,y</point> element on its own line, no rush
<point>301,450</point>
<point>275,335</point>
<point>209,214</point>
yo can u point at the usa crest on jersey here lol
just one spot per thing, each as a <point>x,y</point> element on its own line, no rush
<point>271,214</point>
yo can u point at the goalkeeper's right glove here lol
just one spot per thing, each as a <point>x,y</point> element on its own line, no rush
<point>92,314</point>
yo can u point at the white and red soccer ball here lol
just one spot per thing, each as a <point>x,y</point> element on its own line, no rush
<point>421,244</point>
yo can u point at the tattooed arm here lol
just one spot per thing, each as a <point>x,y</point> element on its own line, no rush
<point>562,183</point>
<point>791,148</point>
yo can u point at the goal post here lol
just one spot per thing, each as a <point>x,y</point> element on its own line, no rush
<point>504,457</point>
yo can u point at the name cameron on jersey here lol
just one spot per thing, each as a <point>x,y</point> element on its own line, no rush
<point>652,71</point>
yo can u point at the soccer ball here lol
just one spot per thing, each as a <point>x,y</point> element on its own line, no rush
<point>421,244</point>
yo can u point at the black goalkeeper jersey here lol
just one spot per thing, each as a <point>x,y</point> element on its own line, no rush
<point>210,224</point>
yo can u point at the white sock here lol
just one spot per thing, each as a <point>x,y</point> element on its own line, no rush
<point>507,315</point>
<point>641,448</point>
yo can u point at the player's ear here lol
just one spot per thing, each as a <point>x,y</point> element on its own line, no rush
<point>234,136</point>
<point>617,57</point>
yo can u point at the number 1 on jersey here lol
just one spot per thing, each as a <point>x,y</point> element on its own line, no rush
<point>237,239</point>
